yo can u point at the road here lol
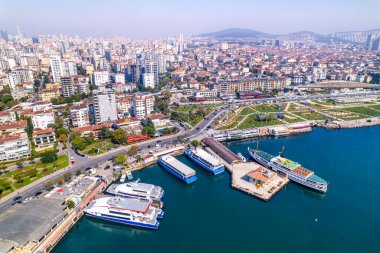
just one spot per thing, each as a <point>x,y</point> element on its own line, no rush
<point>81,163</point>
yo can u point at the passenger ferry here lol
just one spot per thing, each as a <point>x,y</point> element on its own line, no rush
<point>178,169</point>
<point>294,170</point>
<point>205,160</point>
<point>242,157</point>
<point>125,211</point>
<point>137,190</point>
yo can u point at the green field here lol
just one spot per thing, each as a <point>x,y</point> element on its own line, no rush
<point>364,111</point>
<point>291,119</point>
<point>98,147</point>
<point>233,124</point>
<point>267,108</point>
<point>246,111</point>
<point>21,177</point>
<point>251,122</point>
<point>310,115</point>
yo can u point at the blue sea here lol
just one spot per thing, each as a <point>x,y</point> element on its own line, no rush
<point>210,216</point>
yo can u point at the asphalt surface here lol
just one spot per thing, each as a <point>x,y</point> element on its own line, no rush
<point>82,163</point>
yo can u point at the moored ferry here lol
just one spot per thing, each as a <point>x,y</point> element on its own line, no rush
<point>294,170</point>
<point>137,190</point>
<point>178,169</point>
<point>205,160</point>
<point>125,211</point>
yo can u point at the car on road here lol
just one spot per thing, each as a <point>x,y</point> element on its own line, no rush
<point>38,193</point>
<point>17,198</point>
<point>107,167</point>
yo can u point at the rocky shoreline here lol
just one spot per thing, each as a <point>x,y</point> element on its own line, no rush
<point>349,123</point>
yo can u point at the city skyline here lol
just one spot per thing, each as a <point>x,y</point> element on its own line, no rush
<point>168,18</point>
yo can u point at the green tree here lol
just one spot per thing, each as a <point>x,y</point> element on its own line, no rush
<point>105,133</point>
<point>58,122</point>
<point>118,136</point>
<point>62,130</point>
<point>29,127</point>
<point>49,156</point>
<point>70,204</point>
<point>166,130</point>
<point>6,98</point>
<point>74,134</point>
<point>149,131</point>
<point>67,176</point>
<point>120,159</point>
<point>78,172</point>
<point>133,150</point>
<point>49,185</point>
<point>196,143</point>
<point>78,143</point>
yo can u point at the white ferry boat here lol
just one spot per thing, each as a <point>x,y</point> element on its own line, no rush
<point>178,169</point>
<point>294,170</point>
<point>137,190</point>
<point>125,211</point>
<point>205,160</point>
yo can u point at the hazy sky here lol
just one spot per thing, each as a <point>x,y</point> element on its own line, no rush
<point>163,18</point>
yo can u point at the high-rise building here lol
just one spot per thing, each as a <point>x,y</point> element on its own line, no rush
<point>4,35</point>
<point>56,68</point>
<point>101,77</point>
<point>67,88</point>
<point>69,68</point>
<point>142,106</point>
<point>148,80</point>
<point>79,115</point>
<point>373,42</point>
<point>135,74</point>
<point>162,63</point>
<point>104,106</point>
<point>152,67</point>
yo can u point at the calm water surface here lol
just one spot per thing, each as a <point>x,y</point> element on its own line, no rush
<point>209,216</point>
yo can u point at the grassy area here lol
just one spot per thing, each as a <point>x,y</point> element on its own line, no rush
<point>246,111</point>
<point>376,107</point>
<point>364,111</point>
<point>233,124</point>
<point>310,115</point>
<point>267,108</point>
<point>98,147</point>
<point>345,115</point>
<point>291,118</point>
<point>251,122</point>
<point>19,178</point>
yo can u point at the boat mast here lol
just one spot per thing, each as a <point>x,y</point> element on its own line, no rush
<point>282,151</point>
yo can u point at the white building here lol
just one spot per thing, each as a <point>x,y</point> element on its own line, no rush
<point>206,93</point>
<point>118,78</point>
<point>19,76</point>
<point>148,80</point>
<point>101,77</point>
<point>14,147</point>
<point>69,68</point>
<point>79,116</point>
<point>142,106</point>
<point>42,119</point>
<point>152,67</point>
<point>104,106</point>
<point>56,68</point>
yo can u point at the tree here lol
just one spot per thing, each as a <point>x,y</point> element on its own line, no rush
<point>58,122</point>
<point>70,204</point>
<point>118,136</point>
<point>6,98</point>
<point>133,150</point>
<point>49,156</point>
<point>166,94</point>
<point>67,176</point>
<point>78,172</point>
<point>196,143</point>
<point>62,130</point>
<point>19,164</point>
<point>74,134</point>
<point>78,143</point>
<point>63,138</point>
<point>149,131</point>
<point>105,133</point>
<point>29,127</point>
<point>120,159</point>
<point>166,130</point>
<point>49,185</point>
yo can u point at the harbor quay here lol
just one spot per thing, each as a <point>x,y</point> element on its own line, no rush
<point>248,177</point>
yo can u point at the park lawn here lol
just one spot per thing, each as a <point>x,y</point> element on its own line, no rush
<point>42,170</point>
<point>102,145</point>
<point>251,122</point>
<point>376,107</point>
<point>266,108</point>
<point>5,186</point>
<point>294,107</point>
<point>233,124</point>
<point>364,111</point>
<point>291,118</point>
<point>345,115</point>
<point>310,115</point>
<point>246,111</point>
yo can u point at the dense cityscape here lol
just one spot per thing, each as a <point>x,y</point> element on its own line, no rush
<point>92,125</point>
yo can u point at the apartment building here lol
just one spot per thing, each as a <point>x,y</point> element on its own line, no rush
<point>265,83</point>
<point>44,139</point>
<point>104,106</point>
<point>79,115</point>
<point>14,147</point>
<point>142,106</point>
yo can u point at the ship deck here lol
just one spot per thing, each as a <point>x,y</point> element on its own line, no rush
<point>179,166</point>
<point>264,155</point>
<point>207,157</point>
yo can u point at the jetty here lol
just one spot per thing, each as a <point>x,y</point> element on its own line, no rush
<point>248,177</point>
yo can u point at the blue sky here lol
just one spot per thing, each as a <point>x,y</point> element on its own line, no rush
<point>163,18</point>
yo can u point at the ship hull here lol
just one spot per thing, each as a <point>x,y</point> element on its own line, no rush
<point>214,171</point>
<point>123,221</point>
<point>188,180</point>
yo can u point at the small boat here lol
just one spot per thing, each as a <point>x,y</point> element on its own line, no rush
<point>123,177</point>
<point>129,175</point>
<point>242,157</point>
